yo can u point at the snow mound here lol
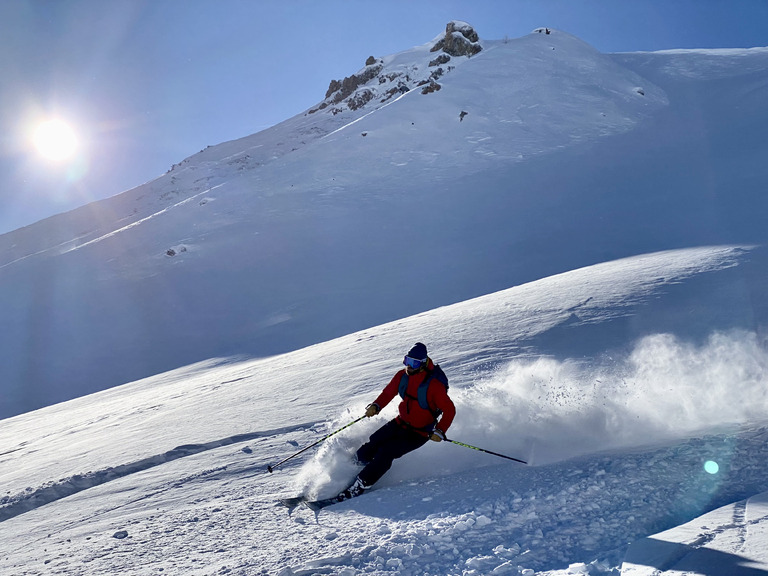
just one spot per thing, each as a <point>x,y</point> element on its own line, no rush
<point>729,540</point>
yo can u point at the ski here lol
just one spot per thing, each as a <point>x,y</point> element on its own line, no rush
<point>292,503</point>
<point>317,505</point>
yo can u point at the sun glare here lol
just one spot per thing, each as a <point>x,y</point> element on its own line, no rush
<point>55,140</point>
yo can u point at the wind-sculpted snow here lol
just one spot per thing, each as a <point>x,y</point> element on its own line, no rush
<point>32,498</point>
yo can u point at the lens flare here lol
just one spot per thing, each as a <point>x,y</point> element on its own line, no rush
<point>711,467</point>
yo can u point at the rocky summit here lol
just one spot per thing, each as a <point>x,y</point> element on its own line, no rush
<point>460,40</point>
<point>379,82</point>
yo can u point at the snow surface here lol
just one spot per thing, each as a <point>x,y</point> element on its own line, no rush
<point>178,461</point>
<point>707,545</point>
<point>596,246</point>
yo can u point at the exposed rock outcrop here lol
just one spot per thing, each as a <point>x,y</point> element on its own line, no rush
<point>379,82</point>
<point>460,40</point>
<point>341,89</point>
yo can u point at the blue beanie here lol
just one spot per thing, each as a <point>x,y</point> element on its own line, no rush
<point>418,352</point>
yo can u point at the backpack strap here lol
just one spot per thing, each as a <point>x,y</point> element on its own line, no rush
<point>402,389</point>
<point>421,394</point>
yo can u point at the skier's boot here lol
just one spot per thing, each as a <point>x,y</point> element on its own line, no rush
<point>357,488</point>
<point>359,462</point>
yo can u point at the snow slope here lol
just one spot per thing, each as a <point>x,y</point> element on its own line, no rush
<point>593,228</point>
<point>730,540</point>
<point>170,472</point>
<point>561,162</point>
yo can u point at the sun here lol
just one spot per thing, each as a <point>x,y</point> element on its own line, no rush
<point>55,140</point>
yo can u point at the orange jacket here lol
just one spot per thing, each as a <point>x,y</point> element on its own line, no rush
<point>410,412</point>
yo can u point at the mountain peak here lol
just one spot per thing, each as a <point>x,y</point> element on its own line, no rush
<point>460,40</point>
<point>377,80</point>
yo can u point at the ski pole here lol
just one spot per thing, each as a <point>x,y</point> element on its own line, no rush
<point>272,467</point>
<point>486,451</point>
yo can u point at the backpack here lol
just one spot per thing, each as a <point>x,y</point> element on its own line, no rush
<point>435,374</point>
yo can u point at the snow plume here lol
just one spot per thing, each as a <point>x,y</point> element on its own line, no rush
<point>546,410</point>
<point>332,469</point>
<point>664,388</point>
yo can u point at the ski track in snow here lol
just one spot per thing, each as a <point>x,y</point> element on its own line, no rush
<point>729,540</point>
<point>143,220</point>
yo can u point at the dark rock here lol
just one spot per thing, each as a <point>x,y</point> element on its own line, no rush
<point>341,89</point>
<point>442,59</point>
<point>460,40</point>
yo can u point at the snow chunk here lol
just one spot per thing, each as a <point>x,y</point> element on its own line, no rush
<point>483,520</point>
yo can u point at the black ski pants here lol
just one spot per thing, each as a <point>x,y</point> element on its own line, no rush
<point>389,442</point>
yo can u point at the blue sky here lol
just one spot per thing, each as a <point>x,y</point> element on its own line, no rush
<point>146,83</point>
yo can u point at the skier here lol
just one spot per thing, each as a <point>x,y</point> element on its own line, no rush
<point>425,413</point>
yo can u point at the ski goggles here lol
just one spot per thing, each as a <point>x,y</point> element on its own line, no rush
<point>413,362</point>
